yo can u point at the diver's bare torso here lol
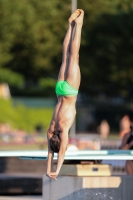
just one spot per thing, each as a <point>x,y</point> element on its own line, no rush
<point>64,114</point>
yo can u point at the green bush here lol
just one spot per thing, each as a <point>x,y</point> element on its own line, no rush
<point>24,118</point>
<point>12,78</point>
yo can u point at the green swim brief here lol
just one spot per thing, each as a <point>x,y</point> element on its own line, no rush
<point>64,89</point>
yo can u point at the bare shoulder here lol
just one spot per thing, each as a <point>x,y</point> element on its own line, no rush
<point>50,131</point>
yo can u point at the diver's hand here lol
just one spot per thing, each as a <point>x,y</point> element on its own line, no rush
<point>52,175</point>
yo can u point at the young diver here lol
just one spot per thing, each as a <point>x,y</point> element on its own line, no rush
<point>67,90</point>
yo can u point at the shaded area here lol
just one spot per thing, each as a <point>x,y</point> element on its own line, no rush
<point>21,176</point>
<point>20,185</point>
<point>21,197</point>
<point>2,164</point>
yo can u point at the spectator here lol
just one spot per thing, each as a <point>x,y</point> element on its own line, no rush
<point>104,129</point>
<point>124,126</point>
<point>127,144</point>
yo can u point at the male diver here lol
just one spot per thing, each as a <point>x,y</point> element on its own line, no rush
<point>67,90</point>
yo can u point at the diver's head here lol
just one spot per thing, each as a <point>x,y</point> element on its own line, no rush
<point>55,143</point>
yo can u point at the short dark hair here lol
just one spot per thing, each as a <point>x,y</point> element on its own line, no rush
<point>55,143</point>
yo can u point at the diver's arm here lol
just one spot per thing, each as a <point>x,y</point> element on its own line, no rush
<point>63,147</point>
<point>49,161</point>
<point>49,157</point>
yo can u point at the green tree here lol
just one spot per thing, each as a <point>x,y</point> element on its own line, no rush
<point>32,32</point>
<point>10,77</point>
<point>107,46</point>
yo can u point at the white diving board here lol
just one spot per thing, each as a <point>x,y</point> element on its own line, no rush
<point>73,155</point>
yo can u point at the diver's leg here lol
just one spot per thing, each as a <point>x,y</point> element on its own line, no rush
<point>73,71</point>
<point>66,45</point>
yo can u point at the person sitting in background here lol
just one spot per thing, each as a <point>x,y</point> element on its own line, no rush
<point>124,125</point>
<point>127,144</point>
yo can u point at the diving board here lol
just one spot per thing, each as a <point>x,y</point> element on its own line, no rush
<point>73,155</point>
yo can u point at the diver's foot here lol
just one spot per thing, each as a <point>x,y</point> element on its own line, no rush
<point>79,19</point>
<point>74,15</point>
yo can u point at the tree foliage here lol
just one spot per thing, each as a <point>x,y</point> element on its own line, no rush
<point>31,31</point>
<point>31,35</point>
<point>10,77</point>
<point>106,53</point>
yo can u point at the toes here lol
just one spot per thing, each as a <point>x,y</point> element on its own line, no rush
<point>81,10</point>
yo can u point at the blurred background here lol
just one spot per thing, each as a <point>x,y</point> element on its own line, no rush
<point>31,36</point>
